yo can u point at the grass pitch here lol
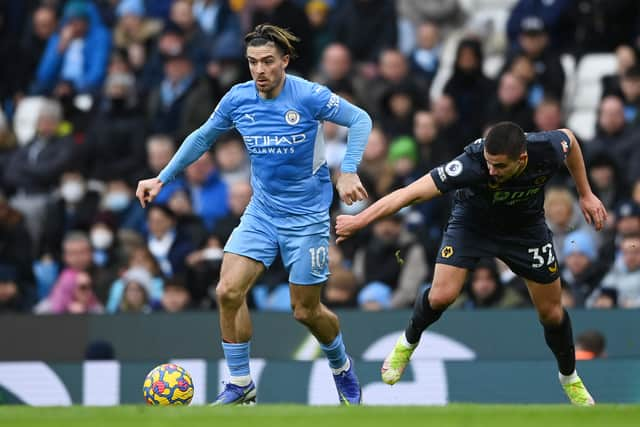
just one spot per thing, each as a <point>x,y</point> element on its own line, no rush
<point>463,415</point>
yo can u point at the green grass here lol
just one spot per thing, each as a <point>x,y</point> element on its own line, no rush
<point>464,415</point>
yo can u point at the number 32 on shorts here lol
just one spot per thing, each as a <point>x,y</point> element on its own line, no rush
<point>539,255</point>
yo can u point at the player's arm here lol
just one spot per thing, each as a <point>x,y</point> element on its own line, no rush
<point>190,150</point>
<point>419,191</point>
<point>331,107</point>
<point>592,208</point>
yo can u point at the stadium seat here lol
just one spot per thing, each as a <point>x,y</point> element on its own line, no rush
<point>583,123</point>
<point>588,82</point>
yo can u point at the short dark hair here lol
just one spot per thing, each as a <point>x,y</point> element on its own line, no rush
<point>267,33</point>
<point>506,138</point>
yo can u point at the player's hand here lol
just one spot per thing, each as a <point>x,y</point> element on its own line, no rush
<point>346,226</point>
<point>593,210</point>
<point>147,190</point>
<point>350,189</point>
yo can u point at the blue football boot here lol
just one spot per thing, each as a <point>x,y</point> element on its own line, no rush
<point>348,386</point>
<point>236,395</point>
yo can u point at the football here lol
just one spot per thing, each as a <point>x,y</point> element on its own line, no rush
<point>168,384</point>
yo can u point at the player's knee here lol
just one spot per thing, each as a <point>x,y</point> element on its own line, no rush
<point>550,314</point>
<point>227,294</point>
<point>441,299</point>
<point>304,314</point>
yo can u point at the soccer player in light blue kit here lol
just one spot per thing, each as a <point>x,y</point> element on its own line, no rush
<point>280,118</point>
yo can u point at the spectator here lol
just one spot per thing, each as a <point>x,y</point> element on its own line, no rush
<point>374,165</point>
<point>425,57</point>
<point>590,345</point>
<point>556,17</point>
<point>366,27</point>
<point>534,43</point>
<point>626,57</point>
<point>563,217</point>
<point>14,295</point>
<point>286,14</point>
<point>581,273</point>
<point>140,258</point>
<point>159,150</point>
<point>625,279</point>
<point>469,87</point>
<point>231,159</point>
<point>118,199</point>
<point>168,246</point>
<point>188,223</point>
<point>447,13</point>
<point>239,198</point>
<point>176,297</point>
<point>432,149</point>
<point>606,179</point>
<point>134,33</point>
<point>208,192</point>
<point>34,41</point>
<point>181,15</point>
<point>7,145</point>
<point>73,290</point>
<point>137,292</point>
<point>115,141</point>
<point>336,66</point>
<point>15,248</point>
<point>601,26</point>
<point>603,298</point>
<point>486,290</point>
<point>548,115</point>
<point>398,106</point>
<point>455,133</point>
<point>403,158</point>
<point>340,290</point>
<point>203,272</point>
<point>392,257</point>
<point>511,103</point>
<point>318,12</point>
<point>73,207</point>
<point>375,296</point>
<point>75,59</point>
<point>35,169</point>
<point>182,101</point>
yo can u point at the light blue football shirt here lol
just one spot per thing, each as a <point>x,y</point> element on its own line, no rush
<point>285,142</point>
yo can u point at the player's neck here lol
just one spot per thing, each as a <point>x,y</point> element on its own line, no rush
<point>273,94</point>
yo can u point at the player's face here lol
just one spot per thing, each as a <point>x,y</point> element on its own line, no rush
<point>501,167</point>
<point>267,65</point>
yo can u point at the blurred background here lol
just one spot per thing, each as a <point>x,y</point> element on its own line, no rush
<point>95,95</point>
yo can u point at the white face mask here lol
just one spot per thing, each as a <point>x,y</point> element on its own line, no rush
<point>117,201</point>
<point>101,238</point>
<point>72,191</point>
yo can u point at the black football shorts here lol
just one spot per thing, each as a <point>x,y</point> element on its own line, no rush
<point>528,251</point>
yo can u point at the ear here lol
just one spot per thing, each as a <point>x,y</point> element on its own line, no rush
<point>523,156</point>
<point>285,60</point>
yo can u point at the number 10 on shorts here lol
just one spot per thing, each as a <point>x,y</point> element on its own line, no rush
<point>319,257</point>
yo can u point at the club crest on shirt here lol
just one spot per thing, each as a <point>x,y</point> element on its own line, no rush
<point>292,117</point>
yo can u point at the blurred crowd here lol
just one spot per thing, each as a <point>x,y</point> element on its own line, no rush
<point>95,95</point>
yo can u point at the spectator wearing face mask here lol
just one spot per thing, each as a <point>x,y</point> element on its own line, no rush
<point>118,199</point>
<point>72,208</point>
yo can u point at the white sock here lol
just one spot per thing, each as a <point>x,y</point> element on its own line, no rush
<point>407,344</point>
<point>343,368</point>
<point>242,381</point>
<point>568,379</point>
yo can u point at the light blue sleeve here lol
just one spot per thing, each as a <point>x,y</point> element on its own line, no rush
<point>200,140</point>
<point>333,108</point>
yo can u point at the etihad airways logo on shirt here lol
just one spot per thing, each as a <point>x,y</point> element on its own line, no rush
<point>273,144</point>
